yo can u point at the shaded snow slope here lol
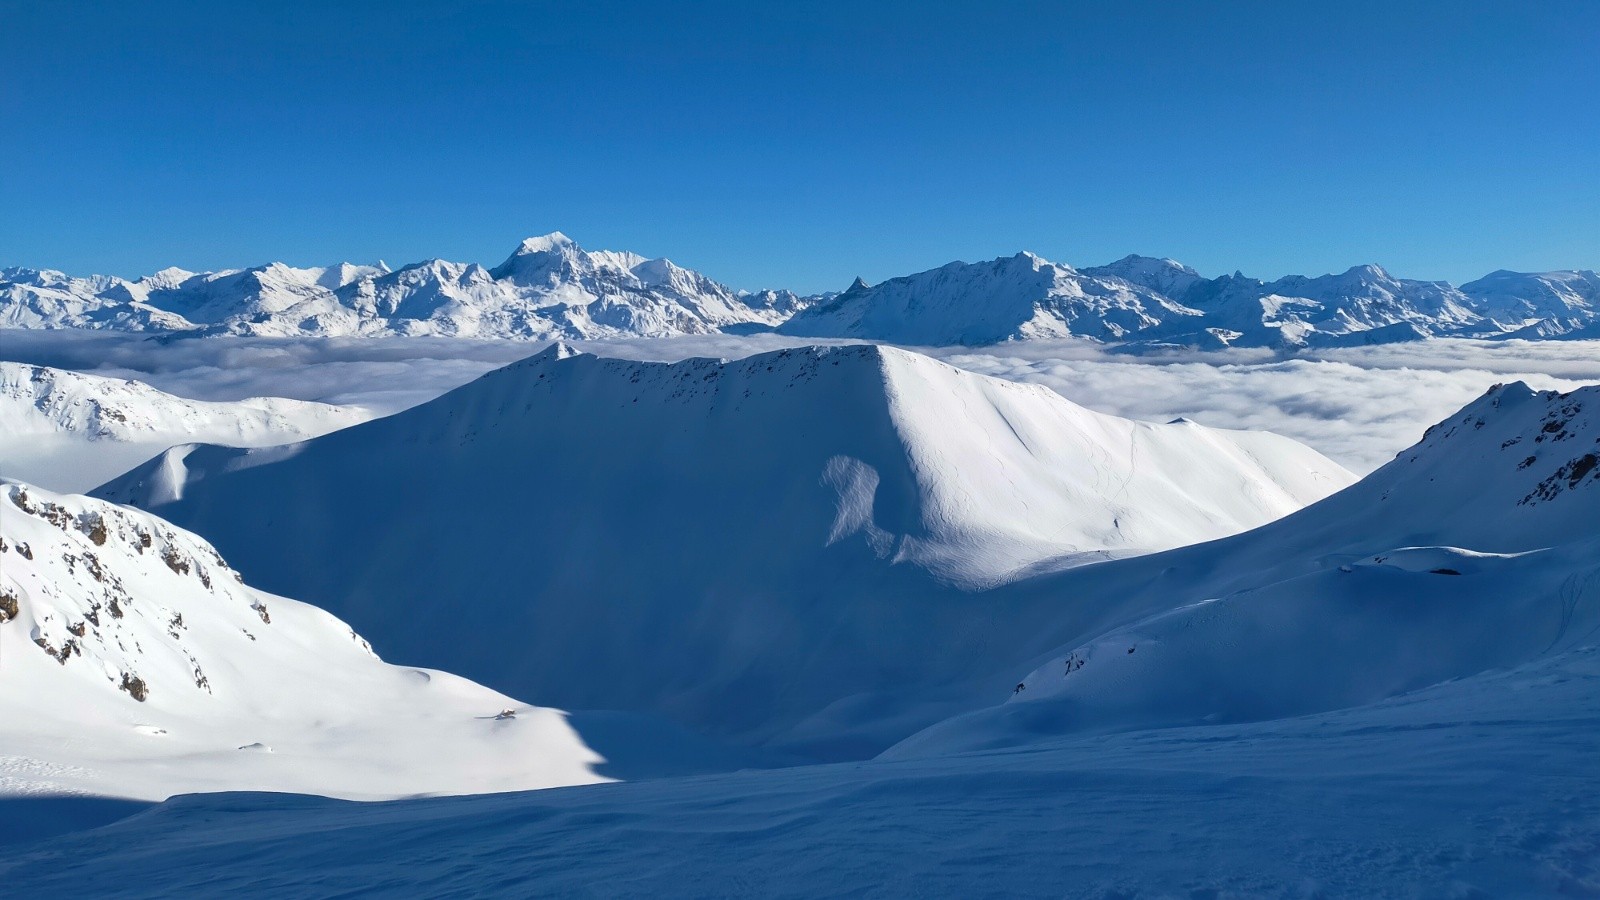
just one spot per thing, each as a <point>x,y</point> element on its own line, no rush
<point>1485,787</point>
<point>1477,549</point>
<point>548,288</point>
<point>134,662</point>
<point>70,431</point>
<point>740,545</point>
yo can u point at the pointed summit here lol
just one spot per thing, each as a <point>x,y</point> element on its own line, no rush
<point>544,243</point>
<point>858,285</point>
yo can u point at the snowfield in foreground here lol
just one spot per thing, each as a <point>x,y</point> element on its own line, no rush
<point>1484,787</point>
<point>135,663</point>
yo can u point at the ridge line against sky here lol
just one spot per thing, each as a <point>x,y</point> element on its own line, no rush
<point>797,146</point>
<point>1079,266</point>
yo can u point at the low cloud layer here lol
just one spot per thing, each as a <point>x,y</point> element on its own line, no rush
<point>1359,406</point>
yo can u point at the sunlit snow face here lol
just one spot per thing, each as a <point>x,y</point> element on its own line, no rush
<point>1359,406</point>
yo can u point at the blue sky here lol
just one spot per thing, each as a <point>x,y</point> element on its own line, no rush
<point>798,145</point>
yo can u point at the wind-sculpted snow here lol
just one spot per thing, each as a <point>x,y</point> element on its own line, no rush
<point>740,545</point>
<point>70,431</point>
<point>135,662</point>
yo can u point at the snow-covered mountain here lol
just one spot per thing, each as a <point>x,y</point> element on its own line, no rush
<point>70,431</point>
<point>1389,691</point>
<point>1160,301</point>
<point>549,288</point>
<point>1478,549</point>
<point>134,662</point>
<point>716,541</point>
<point>1022,296</point>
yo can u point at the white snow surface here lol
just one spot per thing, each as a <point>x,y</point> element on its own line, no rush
<point>758,523</point>
<point>1484,787</point>
<point>135,663</point>
<point>70,431</point>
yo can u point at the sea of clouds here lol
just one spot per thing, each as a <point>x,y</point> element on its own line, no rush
<point>1359,406</point>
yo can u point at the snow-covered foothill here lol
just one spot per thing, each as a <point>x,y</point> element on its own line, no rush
<point>136,663</point>
<point>70,431</point>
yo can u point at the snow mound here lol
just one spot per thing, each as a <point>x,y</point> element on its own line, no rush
<point>136,663</point>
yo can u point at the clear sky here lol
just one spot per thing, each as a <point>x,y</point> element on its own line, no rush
<point>798,145</point>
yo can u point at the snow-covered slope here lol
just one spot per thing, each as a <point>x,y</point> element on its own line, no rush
<point>1477,549</point>
<point>1486,787</point>
<point>134,662</point>
<point>71,431</point>
<point>722,542</point>
<point>550,287</point>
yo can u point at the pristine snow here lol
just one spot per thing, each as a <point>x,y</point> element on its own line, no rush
<point>1484,787</point>
<point>723,540</point>
<point>135,663</point>
<point>70,431</point>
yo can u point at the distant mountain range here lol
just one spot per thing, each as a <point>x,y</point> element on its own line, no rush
<point>550,288</point>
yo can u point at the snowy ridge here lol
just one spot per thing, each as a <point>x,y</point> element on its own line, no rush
<point>549,288</point>
<point>746,526</point>
<point>70,431</point>
<point>135,662</point>
<point>1162,302</point>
